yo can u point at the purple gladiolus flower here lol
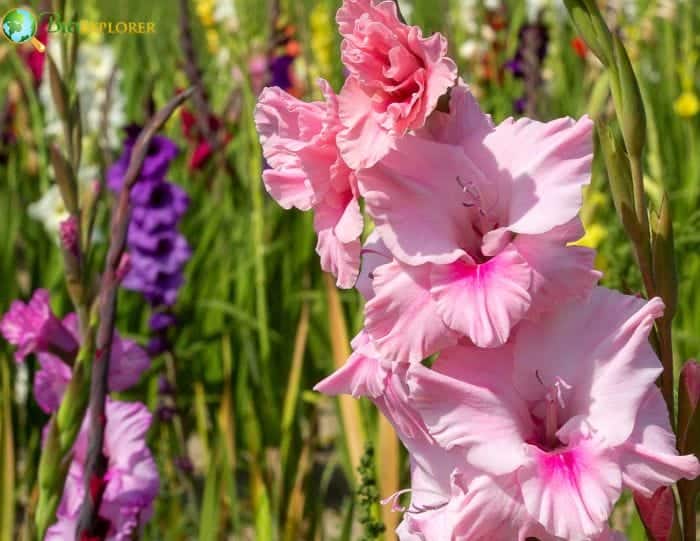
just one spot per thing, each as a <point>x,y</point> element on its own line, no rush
<point>158,204</point>
<point>280,71</point>
<point>158,252</point>
<point>161,321</point>
<point>160,153</point>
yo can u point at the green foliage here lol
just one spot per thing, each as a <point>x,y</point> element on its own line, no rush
<point>368,497</point>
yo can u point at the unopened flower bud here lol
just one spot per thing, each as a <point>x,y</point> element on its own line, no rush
<point>124,267</point>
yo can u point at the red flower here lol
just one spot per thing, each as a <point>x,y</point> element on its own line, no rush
<point>579,46</point>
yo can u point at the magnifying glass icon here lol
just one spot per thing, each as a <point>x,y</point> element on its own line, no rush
<point>19,25</point>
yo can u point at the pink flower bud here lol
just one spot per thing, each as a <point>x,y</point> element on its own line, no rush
<point>657,512</point>
<point>70,235</point>
<point>124,267</point>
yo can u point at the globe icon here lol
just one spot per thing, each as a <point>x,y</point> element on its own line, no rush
<point>19,26</point>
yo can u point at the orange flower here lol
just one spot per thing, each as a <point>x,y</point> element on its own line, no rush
<point>579,47</point>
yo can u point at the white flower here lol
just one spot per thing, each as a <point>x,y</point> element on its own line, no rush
<point>470,49</point>
<point>21,383</point>
<point>94,67</point>
<point>226,15</point>
<point>50,210</point>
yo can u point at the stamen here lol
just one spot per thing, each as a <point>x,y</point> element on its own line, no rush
<point>394,499</point>
<point>474,199</point>
<point>555,401</point>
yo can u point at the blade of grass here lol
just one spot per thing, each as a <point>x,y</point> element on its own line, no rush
<point>7,484</point>
<point>388,473</point>
<point>349,408</point>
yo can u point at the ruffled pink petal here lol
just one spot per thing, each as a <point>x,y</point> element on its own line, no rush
<point>649,457</point>
<point>362,375</point>
<point>560,273</point>
<point>483,301</point>
<point>127,425</point>
<point>286,125</point>
<point>338,224</point>
<point>611,367</point>
<point>546,164</point>
<point>478,412</point>
<point>402,318</point>
<point>362,142</point>
<point>417,202</point>
<point>571,491</point>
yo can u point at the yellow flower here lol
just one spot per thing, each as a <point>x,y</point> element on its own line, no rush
<point>595,234</point>
<point>687,104</point>
<point>212,37</point>
<point>321,36</point>
<point>205,11</point>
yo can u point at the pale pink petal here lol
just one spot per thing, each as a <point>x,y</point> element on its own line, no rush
<point>374,253</point>
<point>464,121</point>
<point>560,273</point>
<point>286,125</point>
<point>127,425</point>
<point>483,301</point>
<point>402,317</point>
<point>571,491</point>
<point>362,375</point>
<point>338,224</point>
<point>363,142</point>
<point>417,202</point>
<point>600,348</point>
<point>490,423</point>
<point>547,165</point>
<point>649,457</point>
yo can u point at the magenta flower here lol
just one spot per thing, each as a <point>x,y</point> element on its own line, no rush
<point>561,429</point>
<point>396,78</point>
<point>476,220</point>
<point>33,328</point>
<point>131,479</point>
<point>306,172</point>
<point>127,362</point>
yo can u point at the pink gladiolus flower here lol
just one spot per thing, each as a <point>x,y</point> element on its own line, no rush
<point>476,222</point>
<point>396,78</point>
<point>131,479</point>
<point>307,172</point>
<point>564,417</point>
<point>127,362</point>
<point>33,328</point>
<point>449,497</point>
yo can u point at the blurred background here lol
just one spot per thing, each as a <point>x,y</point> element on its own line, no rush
<point>245,449</point>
